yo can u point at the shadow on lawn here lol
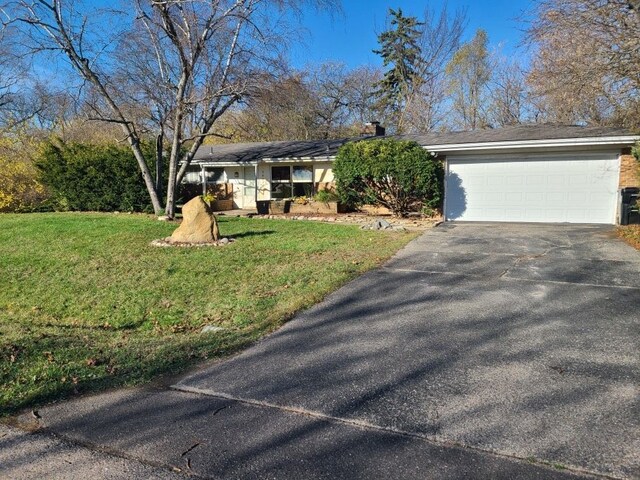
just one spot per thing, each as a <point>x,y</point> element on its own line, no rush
<point>251,233</point>
<point>526,368</point>
<point>405,352</point>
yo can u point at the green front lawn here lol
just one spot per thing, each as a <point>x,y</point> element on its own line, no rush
<point>86,303</point>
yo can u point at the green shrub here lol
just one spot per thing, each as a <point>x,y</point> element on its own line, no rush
<point>396,174</point>
<point>325,196</point>
<point>93,177</point>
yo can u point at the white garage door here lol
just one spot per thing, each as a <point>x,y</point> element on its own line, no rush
<point>581,188</point>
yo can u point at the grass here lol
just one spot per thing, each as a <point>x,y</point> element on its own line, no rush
<point>86,303</point>
<point>631,234</point>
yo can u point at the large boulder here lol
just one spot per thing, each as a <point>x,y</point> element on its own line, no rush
<point>198,225</point>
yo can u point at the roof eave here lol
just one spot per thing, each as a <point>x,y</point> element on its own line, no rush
<point>240,163</point>
<point>622,141</point>
<point>310,158</point>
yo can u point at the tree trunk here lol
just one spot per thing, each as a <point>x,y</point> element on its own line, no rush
<point>146,174</point>
<point>159,162</point>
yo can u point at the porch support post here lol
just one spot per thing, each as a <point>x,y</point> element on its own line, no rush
<point>256,189</point>
<point>204,180</point>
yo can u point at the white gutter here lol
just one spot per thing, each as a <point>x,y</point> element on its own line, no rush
<point>298,159</point>
<point>625,140</point>
<point>547,143</point>
<point>227,164</point>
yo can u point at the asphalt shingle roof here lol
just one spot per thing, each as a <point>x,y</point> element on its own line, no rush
<point>248,152</point>
<point>251,152</point>
<point>519,133</point>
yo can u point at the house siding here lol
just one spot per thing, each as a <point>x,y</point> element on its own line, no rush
<point>264,182</point>
<point>323,176</point>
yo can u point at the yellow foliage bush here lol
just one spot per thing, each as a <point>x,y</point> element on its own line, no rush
<point>20,189</point>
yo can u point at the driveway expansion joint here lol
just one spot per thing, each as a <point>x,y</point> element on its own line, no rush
<point>442,443</point>
<point>503,276</point>
<point>110,452</point>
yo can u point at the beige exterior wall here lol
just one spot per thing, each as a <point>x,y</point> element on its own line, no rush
<point>629,170</point>
<point>323,176</point>
<point>323,172</point>
<point>264,181</point>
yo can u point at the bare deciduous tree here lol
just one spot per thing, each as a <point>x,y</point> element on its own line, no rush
<point>328,101</point>
<point>361,86</point>
<point>508,94</point>
<point>167,68</point>
<point>440,38</point>
<point>279,109</point>
<point>587,65</point>
<point>469,73</point>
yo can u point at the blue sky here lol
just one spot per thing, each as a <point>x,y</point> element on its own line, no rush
<point>350,36</point>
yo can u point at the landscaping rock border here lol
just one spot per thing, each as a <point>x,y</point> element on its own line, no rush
<point>168,242</point>
<point>397,224</point>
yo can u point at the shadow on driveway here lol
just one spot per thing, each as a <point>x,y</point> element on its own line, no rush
<point>516,339</point>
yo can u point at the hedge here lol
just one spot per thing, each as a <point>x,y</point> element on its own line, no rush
<point>84,177</point>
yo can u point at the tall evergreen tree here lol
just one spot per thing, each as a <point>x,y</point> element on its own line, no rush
<point>400,52</point>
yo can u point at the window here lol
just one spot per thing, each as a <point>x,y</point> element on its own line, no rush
<point>281,182</point>
<point>194,175</point>
<point>214,175</point>
<point>302,181</point>
<point>295,181</point>
<point>302,174</point>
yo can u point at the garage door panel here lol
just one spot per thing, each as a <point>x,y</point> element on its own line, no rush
<point>513,197</point>
<point>557,180</point>
<point>556,197</point>
<point>579,189</point>
<point>536,180</point>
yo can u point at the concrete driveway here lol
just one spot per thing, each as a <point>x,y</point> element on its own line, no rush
<point>479,351</point>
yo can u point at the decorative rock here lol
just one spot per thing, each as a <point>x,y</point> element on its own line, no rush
<point>211,329</point>
<point>378,224</point>
<point>163,218</point>
<point>223,241</point>
<point>198,224</point>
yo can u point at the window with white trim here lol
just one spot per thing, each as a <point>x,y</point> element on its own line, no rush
<point>291,181</point>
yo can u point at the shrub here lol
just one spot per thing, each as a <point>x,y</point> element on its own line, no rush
<point>93,177</point>
<point>325,196</point>
<point>20,189</point>
<point>396,174</point>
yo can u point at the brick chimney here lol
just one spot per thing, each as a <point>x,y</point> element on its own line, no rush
<point>373,129</point>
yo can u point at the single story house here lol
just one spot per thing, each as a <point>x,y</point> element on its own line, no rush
<point>525,173</point>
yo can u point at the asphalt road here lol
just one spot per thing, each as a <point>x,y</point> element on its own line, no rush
<point>479,351</point>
